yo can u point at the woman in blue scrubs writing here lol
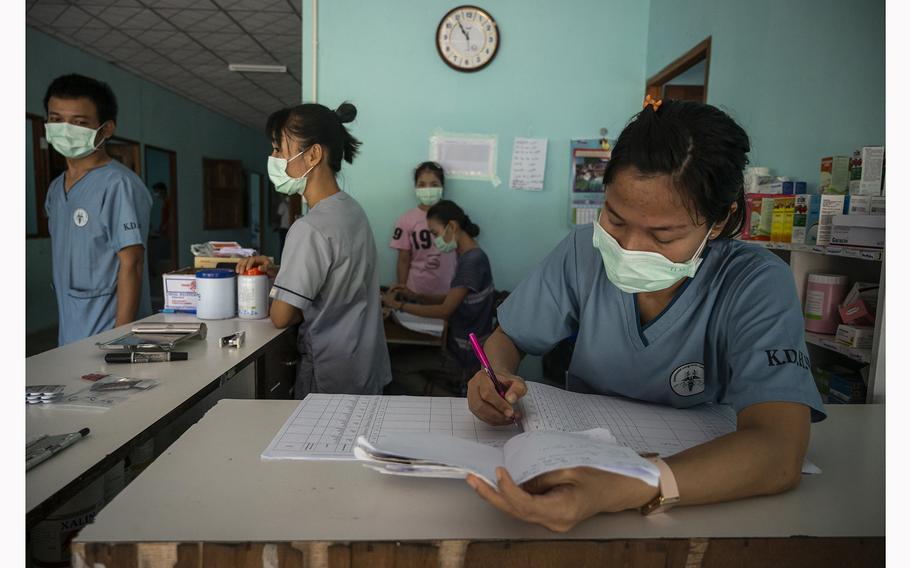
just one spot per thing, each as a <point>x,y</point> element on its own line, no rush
<point>668,309</point>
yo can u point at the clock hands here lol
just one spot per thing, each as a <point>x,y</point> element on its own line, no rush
<point>466,36</point>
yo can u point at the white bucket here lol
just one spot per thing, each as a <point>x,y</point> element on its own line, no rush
<point>217,290</point>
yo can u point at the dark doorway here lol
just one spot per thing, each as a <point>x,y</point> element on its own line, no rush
<point>163,251</point>
<point>684,79</point>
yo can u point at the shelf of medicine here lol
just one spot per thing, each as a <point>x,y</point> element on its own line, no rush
<point>828,342</point>
<point>830,250</point>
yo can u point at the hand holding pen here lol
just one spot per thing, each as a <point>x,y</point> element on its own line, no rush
<point>491,395</point>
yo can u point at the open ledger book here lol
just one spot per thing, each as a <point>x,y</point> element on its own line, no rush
<point>525,456</point>
<point>443,437</point>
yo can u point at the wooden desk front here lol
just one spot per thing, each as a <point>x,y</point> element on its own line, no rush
<point>210,500</point>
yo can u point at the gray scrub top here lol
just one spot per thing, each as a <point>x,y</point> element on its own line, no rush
<point>104,212</point>
<point>733,334</point>
<point>328,271</point>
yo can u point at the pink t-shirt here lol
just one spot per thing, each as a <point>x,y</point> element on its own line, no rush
<point>431,271</point>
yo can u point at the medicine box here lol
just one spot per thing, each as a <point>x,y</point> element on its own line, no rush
<point>805,219</point>
<point>753,218</point>
<point>858,230</point>
<point>829,206</point>
<point>180,290</point>
<point>782,219</point>
<point>876,205</point>
<point>858,336</point>
<point>835,175</point>
<point>858,307</point>
<point>866,170</point>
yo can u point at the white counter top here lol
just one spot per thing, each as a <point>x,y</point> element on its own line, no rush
<point>211,486</point>
<point>111,429</point>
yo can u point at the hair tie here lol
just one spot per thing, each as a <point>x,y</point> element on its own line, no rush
<point>655,104</point>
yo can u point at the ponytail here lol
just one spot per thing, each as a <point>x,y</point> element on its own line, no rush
<point>446,210</point>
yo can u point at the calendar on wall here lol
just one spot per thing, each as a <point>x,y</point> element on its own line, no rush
<point>589,161</point>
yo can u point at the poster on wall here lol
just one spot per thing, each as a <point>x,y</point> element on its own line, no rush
<point>466,156</point>
<point>589,158</point>
<point>529,163</point>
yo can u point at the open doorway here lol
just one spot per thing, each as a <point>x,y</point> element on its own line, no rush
<point>161,179</point>
<point>686,78</point>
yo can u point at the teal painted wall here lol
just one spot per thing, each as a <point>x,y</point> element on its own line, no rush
<point>560,73</point>
<point>805,79</point>
<point>148,114</point>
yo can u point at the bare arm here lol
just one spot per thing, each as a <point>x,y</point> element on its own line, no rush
<point>284,314</point>
<point>129,283</point>
<point>403,266</point>
<point>764,456</point>
<point>443,310</point>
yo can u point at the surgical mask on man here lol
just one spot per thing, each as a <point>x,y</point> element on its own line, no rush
<point>428,195</point>
<point>441,243</point>
<point>72,141</point>
<point>284,183</point>
<point>635,271</point>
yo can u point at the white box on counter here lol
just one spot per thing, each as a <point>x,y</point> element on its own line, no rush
<point>180,290</point>
<point>858,230</point>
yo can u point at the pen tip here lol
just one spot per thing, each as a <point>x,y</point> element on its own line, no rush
<point>84,432</point>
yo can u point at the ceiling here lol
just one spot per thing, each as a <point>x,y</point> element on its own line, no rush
<point>186,45</point>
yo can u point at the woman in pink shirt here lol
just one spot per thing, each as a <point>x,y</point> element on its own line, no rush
<point>421,266</point>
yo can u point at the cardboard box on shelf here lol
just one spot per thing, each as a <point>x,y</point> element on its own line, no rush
<point>829,206</point>
<point>835,175</point>
<point>858,336</point>
<point>805,219</point>
<point>866,170</point>
<point>858,230</point>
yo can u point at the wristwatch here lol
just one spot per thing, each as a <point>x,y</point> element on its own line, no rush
<point>668,495</point>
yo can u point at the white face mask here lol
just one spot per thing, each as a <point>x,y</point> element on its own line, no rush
<point>428,195</point>
<point>284,183</point>
<point>635,271</point>
<point>72,141</point>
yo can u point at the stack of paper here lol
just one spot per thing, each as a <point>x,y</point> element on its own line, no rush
<point>429,326</point>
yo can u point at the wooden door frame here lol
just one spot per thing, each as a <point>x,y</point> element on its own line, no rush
<point>42,183</point>
<point>691,58</point>
<point>171,200</point>
<point>136,151</point>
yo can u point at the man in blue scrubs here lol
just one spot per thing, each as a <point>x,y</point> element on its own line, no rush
<point>98,215</point>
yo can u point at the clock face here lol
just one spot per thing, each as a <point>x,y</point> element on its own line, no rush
<point>467,38</point>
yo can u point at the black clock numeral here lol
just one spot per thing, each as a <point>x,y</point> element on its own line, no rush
<point>489,27</point>
<point>477,60</point>
<point>447,48</point>
<point>488,51</point>
<point>469,15</point>
<point>445,36</point>
<point>448,25</point>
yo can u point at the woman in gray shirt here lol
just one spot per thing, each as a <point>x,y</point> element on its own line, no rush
<point>328,279</point>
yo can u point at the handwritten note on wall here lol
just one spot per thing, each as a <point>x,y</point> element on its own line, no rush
<point>529,161</point>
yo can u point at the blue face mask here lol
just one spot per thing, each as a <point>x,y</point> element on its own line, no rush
<point>284,183</point>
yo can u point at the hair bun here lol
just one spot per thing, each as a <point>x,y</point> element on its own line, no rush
<point>346,112</point>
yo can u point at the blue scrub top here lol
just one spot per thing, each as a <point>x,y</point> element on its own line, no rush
<point>104,212</point>
<point>733,334</point>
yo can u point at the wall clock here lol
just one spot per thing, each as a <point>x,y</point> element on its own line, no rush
<point>467,38</point>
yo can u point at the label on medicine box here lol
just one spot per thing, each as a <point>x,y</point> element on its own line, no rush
<point>180,290</point>
<point>856,336</point>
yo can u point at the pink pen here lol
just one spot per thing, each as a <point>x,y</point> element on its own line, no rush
<point>485,363</point>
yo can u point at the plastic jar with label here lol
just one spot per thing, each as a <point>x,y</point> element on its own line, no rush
<point>253,294</point>
<point>217,290</point>
<point>824,292</point>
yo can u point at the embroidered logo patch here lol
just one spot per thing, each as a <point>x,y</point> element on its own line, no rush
<point>688,379</point>
<point>80,217</point>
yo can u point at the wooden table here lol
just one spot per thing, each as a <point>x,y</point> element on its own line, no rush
<point>114,432</point>
<point>211,501</point>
